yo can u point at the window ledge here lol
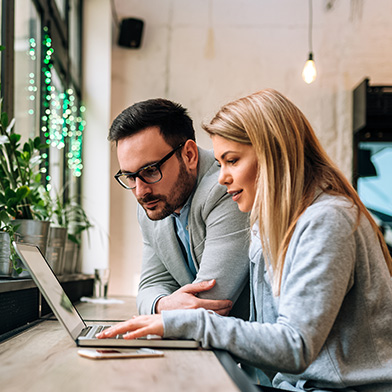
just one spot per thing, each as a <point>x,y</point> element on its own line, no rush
<point>23,284</point>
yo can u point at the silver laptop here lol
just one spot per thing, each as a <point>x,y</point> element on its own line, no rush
<point>66,313</point>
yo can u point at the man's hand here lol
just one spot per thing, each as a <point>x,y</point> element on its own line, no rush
<point>136,327</point>
<point>186,298</point>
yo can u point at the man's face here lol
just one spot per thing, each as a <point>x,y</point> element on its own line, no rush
<point>161,199</point>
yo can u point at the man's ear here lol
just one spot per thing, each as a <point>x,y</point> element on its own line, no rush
<point>190,154</point>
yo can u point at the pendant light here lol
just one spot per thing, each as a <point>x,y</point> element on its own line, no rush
<point>309,72</point>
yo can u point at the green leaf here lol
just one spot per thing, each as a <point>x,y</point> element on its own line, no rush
<point>4,217</point>
<point>15,137</point>
<point>3,200</point>
<point>38,145</point>
<point>10,126</point>
<point>74,239</point>
<point>40,203</point>
<point>22,192</point>
<point>4,120</point>
<point>12,203</point>
<point>27,148</point>
<point>26,154</point>
<point>2,48</point>
<point>9,193</point>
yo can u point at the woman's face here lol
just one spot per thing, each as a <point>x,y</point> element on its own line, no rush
<point>238,170</point>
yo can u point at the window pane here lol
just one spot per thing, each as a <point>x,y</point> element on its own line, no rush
<point>27,69</point>
<point>1,24</point>
<point>56,133</point>
<point>61,7</point>
<point>375,182</point>
<point>75,39</point>
<point>75,124</point>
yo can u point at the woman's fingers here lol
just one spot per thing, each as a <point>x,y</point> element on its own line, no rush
<point>137,326</point>
<point>115,330</point>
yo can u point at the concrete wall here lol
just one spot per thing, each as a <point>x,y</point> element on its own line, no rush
<point>203,53</point>
<point>97,44</point>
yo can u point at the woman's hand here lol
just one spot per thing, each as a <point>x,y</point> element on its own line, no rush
<point>136,327</point>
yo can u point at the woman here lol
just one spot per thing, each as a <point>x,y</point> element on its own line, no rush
<point>320,269</point>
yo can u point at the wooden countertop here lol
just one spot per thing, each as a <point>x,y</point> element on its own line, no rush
<point>44,358</point>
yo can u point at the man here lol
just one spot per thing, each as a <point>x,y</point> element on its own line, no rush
<point>195,240</point>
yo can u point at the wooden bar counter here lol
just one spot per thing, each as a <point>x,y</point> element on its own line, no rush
<point>44,358</point>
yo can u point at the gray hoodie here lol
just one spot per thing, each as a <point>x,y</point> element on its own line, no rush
<point>331,326</point>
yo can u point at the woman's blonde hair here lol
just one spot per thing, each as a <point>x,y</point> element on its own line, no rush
<point>292,166</point>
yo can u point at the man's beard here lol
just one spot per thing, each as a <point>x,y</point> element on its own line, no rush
<point>178,195</point>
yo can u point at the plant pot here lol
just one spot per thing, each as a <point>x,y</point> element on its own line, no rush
<point>55,249</point>
<point>6,267</point>
<point>70,256</point>
<point>78,261</point>
<point>5,253</point>
<point>33,232</point>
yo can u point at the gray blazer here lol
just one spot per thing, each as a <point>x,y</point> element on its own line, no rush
<point>219,239</point>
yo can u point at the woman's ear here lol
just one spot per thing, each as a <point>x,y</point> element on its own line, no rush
<point>190,154</point>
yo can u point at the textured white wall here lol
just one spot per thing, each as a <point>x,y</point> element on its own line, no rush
<point>203,53</point>
<point>97,42</point>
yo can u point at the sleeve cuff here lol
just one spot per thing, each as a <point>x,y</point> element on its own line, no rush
<point>155,302</point>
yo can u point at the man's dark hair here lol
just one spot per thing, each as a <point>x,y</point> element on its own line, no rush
<point>172,119</point>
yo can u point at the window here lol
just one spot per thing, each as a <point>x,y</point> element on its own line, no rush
<point>27,54</point>
<point>374,183</point>
<point>61,6</point>
<point>43,87</point>
<point>1,35</point>
<point>372,152</point>
<point>75,28</point>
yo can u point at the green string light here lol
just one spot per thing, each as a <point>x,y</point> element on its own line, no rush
<point>32,87</point>
<point>62,119</point>
<point>73,129</point>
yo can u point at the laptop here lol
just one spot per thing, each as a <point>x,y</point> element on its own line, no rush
<point>69,317</point>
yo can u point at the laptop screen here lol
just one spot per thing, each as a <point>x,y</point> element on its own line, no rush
<point>50,287</point>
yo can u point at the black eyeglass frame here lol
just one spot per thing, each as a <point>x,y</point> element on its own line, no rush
<point>156,165</point>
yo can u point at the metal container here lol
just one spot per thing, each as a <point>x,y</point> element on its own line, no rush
<point>5,253</point>
<point>55,249</point>
<point>33,232</point>
<point>70,256</point>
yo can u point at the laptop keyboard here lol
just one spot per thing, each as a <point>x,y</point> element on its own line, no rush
<point>85,331</point>
<point>92,330</point>
<point>101,328</point>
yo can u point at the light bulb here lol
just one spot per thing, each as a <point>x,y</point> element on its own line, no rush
<point>309,73</point>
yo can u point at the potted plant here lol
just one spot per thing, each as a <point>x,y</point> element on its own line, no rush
<point>76,221</point>
<point>57,233</point>
<point>8,257</point>
<point>22,195</point>
<point>68,221</point>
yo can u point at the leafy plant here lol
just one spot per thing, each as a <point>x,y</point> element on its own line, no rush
<point>69,214</point>
<point>76,220</point>
<point>10,229</point>
<point>21,189</point>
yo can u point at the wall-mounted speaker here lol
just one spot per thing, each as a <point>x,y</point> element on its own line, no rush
<point>131,32</point>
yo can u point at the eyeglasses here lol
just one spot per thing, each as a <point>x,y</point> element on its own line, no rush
<point>149,174</point>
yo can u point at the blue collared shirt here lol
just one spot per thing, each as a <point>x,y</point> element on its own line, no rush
<point>181,222</point>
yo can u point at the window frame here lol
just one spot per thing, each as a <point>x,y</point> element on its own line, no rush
<point>50,17</point>
<point>59,31</point>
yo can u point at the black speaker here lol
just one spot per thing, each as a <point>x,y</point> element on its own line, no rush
<point>131,32</point>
